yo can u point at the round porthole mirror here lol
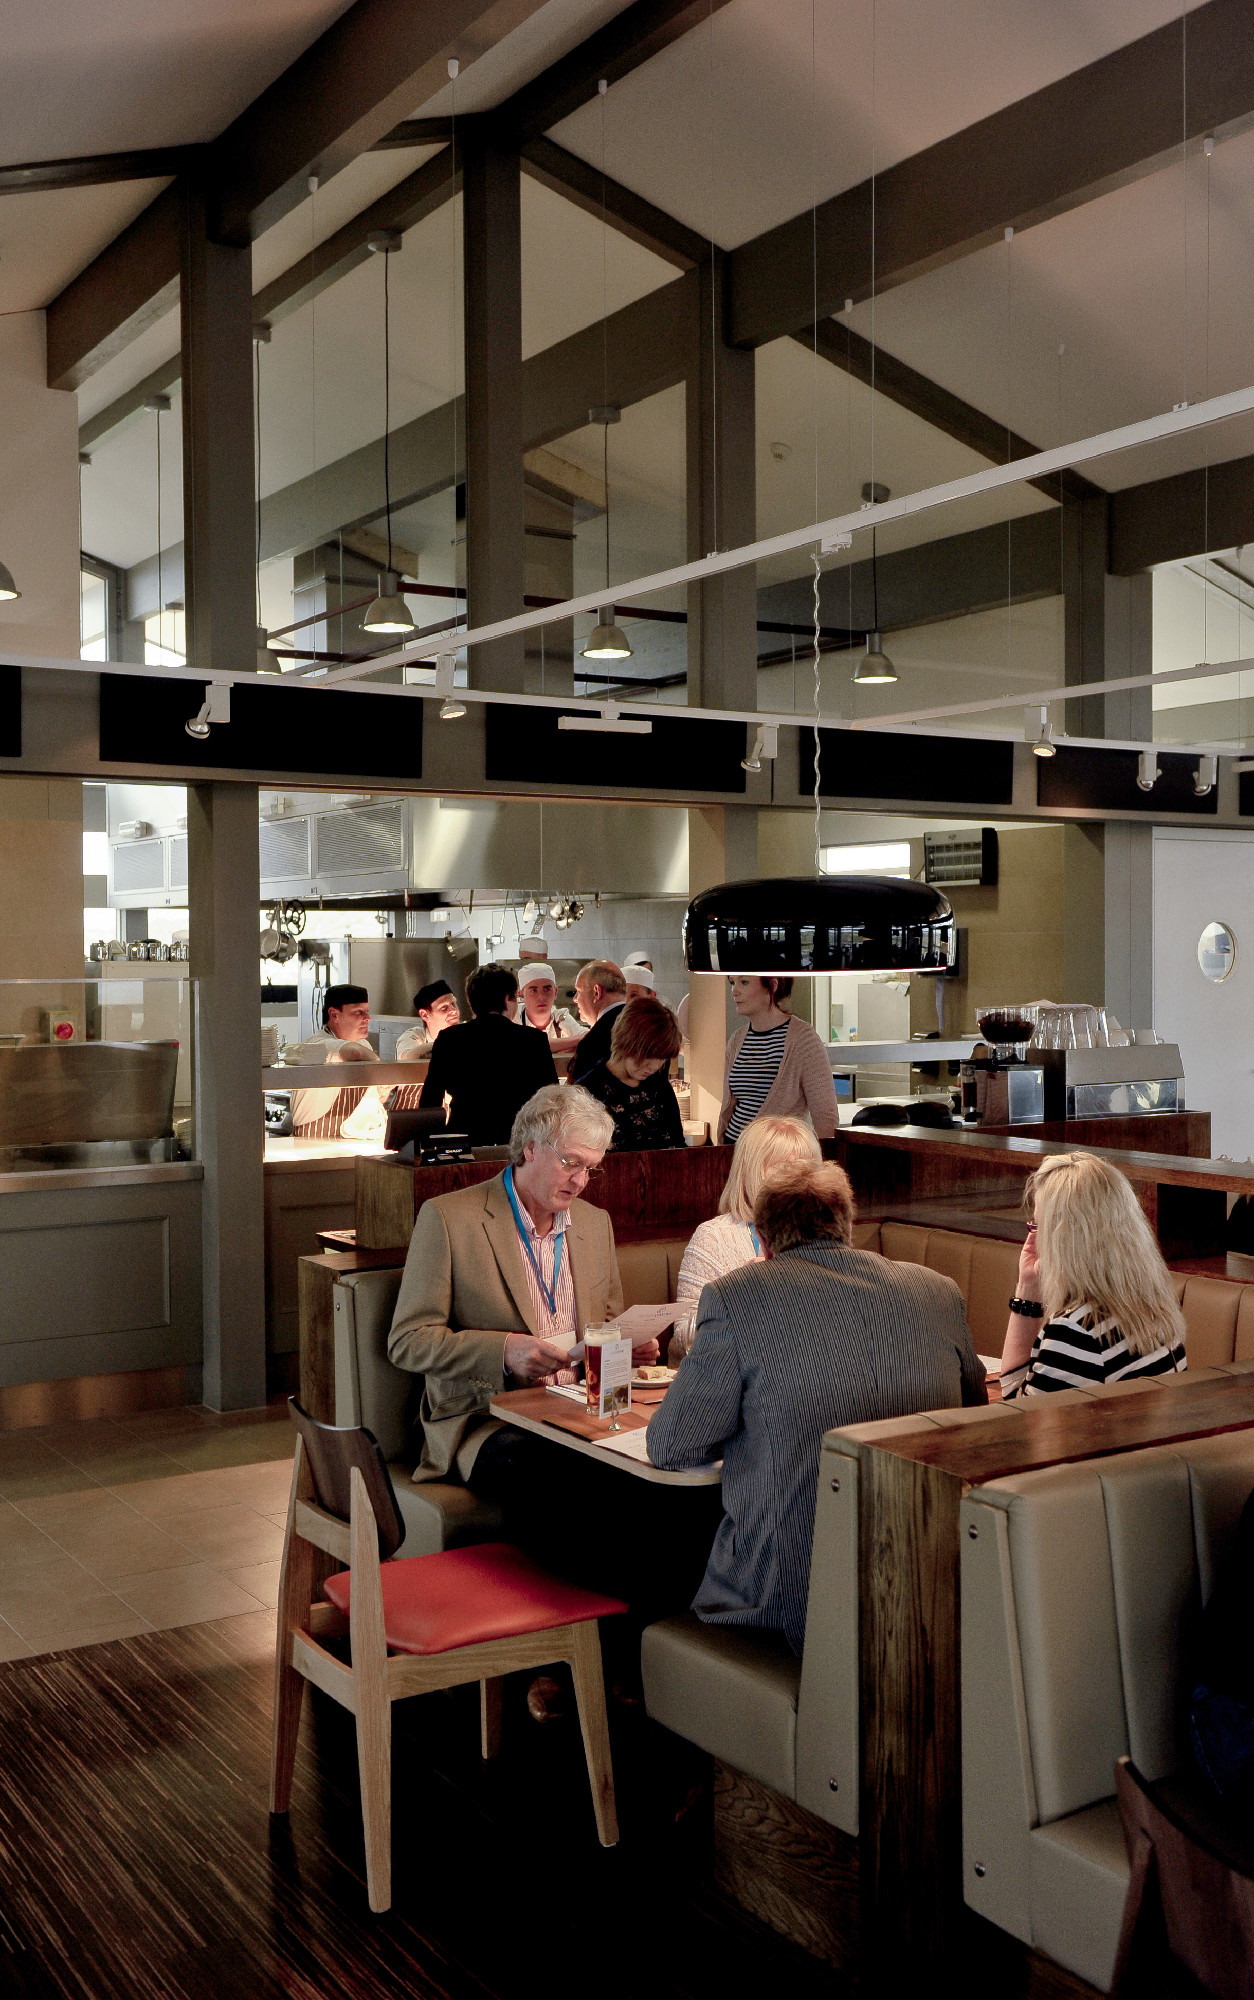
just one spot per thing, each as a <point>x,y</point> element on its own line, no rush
<point>1216,951</point>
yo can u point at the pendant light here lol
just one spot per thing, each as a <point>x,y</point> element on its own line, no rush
<point>874,669</point>
<point>839,923</point>
<point>606,640</point>
<point>1043,744</point>
<point>8,589</point>
<point>265,661</point>
<point>389,612</point>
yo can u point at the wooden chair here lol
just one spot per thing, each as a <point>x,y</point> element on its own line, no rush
<point>424,1622</point>
<point>1191,1897</point>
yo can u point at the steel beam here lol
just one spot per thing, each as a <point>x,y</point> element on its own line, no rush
<point>1113,122</point>
<point>97,170</point>
<point>633,37</point>
<point>217,400</point>
<point>1188,514</point>
<point>630,214</point>
<point>132,283</point>
<point>722,498</point>
<point>495,526</point>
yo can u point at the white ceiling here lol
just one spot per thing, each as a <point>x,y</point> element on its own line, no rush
<point>80,78</point>
<point>778,103</point>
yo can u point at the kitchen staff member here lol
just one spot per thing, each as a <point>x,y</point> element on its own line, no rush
<point>437,1007</point>
<point>324,1114</point>
<point>641,977</point>
<point>537,993</point>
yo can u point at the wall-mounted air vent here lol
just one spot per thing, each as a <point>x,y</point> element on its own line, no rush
<point>284,850</point>
<point>369,840</point>
<point>139,864</point>
<point>961,860</point>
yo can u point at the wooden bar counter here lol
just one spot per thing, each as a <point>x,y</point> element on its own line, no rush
<point>662,1191</point>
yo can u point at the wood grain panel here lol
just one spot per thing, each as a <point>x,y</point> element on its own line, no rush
<point>315,1283</point>
<point>910,1844</point>
<point>787,1868</point>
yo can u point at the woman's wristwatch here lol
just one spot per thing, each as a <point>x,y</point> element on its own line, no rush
<point>1029,1308</point>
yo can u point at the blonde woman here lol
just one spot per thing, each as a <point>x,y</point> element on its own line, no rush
<point>1095,1301</point>
<point>729,1239</point>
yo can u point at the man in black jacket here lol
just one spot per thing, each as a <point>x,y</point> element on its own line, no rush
<point>489,1066</point>
<point>600,990</point>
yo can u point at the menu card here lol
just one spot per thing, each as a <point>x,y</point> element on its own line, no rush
<point>615,1385</point>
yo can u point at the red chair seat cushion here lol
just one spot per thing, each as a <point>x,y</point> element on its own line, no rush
<point>465,1597</point>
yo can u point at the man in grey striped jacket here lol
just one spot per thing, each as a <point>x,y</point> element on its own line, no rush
<point>817,1336</point>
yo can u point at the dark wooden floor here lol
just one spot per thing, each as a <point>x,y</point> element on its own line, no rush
<point>137,1857</point>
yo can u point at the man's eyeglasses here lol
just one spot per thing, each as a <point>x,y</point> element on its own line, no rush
<point>574,1166</point>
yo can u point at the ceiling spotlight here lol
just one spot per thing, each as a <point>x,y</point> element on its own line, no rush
<point>389,612</point>
<point>874,669</point>
<point>1042,742</point>
<point>608,722</point>
<point>765,744</point>
<point>8,589</point>
<point>216,707</point>
<point>452,709</point>
<point>605,641</point>
<point>1147,770</point>
<point>1205,776</point>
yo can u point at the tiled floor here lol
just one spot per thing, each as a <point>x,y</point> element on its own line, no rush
<point>134,1524</point>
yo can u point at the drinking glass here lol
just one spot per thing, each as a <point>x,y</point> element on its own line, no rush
<point>594,1339</point>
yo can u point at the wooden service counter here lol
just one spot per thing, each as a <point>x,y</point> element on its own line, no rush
<point>983,1174</point>
<point>645,1193</point>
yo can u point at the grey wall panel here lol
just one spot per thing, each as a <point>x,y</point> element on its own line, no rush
<point>94,1281</point>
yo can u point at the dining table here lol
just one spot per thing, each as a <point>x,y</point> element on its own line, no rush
<point>564,1420</point>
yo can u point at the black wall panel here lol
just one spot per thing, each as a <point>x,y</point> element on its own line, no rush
<point>1105,780</point>
<point>524,745</point>
<point>10,711</point>
<point>875,764</point>
<point>275,729</point>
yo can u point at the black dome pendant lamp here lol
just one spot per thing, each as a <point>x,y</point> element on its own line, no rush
<point>838,923</point>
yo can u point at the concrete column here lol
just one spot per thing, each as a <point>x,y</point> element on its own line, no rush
<point>722,502</point>
<point>722,847</point>
<point>1086,542</point>
<point>224,893</point>
<point>495,545</point>
<point>219,579</point>
<point>1129,883</point>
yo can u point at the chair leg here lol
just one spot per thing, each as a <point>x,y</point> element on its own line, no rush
<point>295,1599</point>
<point>490,1716</point>
<point>368,1644</point>
<point>589,1679</point>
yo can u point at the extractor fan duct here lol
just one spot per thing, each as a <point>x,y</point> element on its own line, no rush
<point>801,924</point>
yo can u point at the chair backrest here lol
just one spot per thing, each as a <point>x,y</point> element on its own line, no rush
<point>333,1451</point>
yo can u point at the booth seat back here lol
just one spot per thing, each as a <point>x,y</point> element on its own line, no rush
<point>1078,1585</point>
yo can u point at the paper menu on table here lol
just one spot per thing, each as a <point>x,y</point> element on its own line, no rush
<point>646,1322</point>
<point>632,1444</point>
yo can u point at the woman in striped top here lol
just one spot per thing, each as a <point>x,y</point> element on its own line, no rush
<point>1095,1302</point>
<point>775,1064</point>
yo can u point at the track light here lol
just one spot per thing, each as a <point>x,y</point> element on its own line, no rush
<point>1042,742</point>
<point>451,708</point>
<point>1147,770</point>
<point>1205,775</point>
<point>216,707</point>
<point>608,723</point>
<point>266,661</point>
<point>8,589</point>
<point>605,641</point>
<point>874,669</point>
<point>765,745</point>
<point>389,612</point>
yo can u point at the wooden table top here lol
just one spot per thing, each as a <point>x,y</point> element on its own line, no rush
<point>1164,1169</point>
<point>534,1410</point>
<point>1037,1434</point>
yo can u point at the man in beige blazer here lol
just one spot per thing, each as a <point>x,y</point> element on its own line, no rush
<point>487,1277</point>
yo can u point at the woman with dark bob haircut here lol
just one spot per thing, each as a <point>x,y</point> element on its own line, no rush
<point>632,1083</point>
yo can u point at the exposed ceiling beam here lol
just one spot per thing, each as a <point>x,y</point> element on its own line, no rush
<point>415,132</point>
<point>630,214</point>
<point>115,414</point>
<point>96,170</point>
<point>905,386</point>
<point>633,37</point>
<point>1103,126</point>
<point>402,207</point>
<point>131,284</point>
<point>369,69</point>
<point>1188,514</point>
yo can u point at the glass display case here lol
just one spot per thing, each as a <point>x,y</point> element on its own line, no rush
<point>97,1071</point>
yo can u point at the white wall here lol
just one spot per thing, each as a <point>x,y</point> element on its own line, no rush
<point>38,496</point>
<point>1198,879</point>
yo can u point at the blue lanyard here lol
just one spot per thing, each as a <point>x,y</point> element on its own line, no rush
<point>757,1247</point>
<point>549,1291</point>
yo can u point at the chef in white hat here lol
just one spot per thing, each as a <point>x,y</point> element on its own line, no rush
<point>537,995</point>
<point>641,978</point>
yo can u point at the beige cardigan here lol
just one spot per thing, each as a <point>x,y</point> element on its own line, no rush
<point>803,1087</point>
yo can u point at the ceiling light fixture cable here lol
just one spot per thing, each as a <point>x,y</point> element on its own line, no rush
<point>157,404</point>
<point>261,337</point>
<point>389,612</point>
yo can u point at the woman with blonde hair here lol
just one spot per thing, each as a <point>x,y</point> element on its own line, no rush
<point>1094,1301</point>
<point>730,1239</point>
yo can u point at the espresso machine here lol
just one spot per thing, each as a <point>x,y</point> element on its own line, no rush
<point>1001,1087</point>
